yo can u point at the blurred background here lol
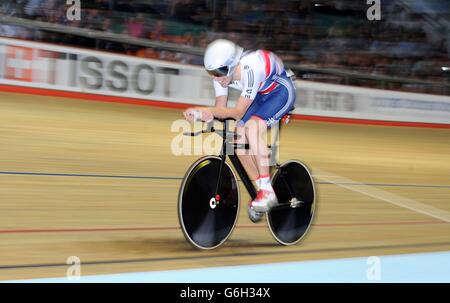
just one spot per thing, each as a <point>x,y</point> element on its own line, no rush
<point>327,41</point>
<point>98,181</point>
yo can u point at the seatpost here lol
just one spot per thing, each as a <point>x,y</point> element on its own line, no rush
<point>275,147</point>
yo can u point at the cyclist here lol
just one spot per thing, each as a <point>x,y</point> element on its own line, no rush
<point>267,94</point>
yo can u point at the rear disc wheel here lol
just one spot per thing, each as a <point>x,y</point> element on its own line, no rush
<point>289,222</point>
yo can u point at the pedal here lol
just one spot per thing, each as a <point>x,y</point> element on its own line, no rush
<point>253,215</point>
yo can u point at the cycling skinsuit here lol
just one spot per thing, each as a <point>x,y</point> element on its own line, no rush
<point>265,81</point>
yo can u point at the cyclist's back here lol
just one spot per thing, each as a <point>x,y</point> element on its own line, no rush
<point>258,68</point>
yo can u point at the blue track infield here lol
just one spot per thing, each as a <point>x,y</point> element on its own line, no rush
<point>405,268</point>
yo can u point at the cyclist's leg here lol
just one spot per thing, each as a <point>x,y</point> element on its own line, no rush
<point>246,156</point>
<point>256,132</point>
<point>269,112</point>
<point>261,115</point>
<point>274,107</point>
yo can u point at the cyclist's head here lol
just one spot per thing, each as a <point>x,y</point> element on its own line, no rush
<point>221,57</point>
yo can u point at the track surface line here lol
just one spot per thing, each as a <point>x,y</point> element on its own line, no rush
<point>168,228</point>
<point>48,174</point>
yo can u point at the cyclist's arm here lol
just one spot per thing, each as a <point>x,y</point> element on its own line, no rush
<point>221,101</point>
<point>237,112</point>
<point>251,80</point>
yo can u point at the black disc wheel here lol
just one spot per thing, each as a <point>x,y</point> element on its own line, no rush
<point>294,188</point>
<point>208,218</point>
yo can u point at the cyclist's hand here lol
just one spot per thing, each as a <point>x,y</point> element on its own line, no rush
<point>207,115</point>
<point>192,114</point>
<point>197,114</point>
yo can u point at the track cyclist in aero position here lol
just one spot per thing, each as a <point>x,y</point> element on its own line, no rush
<point>268,93</point>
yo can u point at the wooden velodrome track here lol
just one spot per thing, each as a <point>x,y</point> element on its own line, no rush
<point>381,190</point>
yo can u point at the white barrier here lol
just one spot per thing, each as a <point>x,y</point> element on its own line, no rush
<point>47,66</point>
<point>373,104</point>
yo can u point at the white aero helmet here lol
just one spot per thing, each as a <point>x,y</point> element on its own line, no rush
<point>221,57</point>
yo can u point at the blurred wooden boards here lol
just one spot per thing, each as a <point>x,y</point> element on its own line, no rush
<point>120,223</point>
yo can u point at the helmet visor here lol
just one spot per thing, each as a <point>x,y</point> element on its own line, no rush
<point>219,72</point>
